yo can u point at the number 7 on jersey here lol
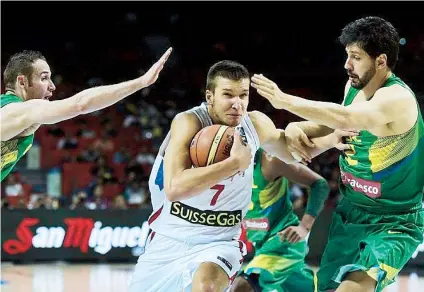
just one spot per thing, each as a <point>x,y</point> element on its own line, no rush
<point>219,189</point>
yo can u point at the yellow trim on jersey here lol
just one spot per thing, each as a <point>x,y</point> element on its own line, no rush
<point>391,272</point>
<point>387,151</point>
<point>271,263</point>
<point>9,158</point>
<point>26,150</point>
<point>215,144</point>
<point>272,193</point>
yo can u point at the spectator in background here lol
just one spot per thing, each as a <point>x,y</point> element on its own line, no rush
<point>110,129</point>
<point>144,156</point>
<point>89,155</point>
<point>98,201</point>
<point>135,193</point>
<point>121,156</point>
<point>119,203</point>
<point>84,131</point>
<point>134,171</point>
<point>103,171</point>
<point>55,131</point>
<point>67,142</point>
<point>104,143</point>
<point>13,187</point>
<point>78,200</point>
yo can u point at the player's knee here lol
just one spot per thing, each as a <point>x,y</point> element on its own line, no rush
<point>241,285</point>
<point>357,281</point>
<point>208,285</point>
<point>210,278</point>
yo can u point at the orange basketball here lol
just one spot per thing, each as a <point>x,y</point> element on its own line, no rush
<point>211,144</point>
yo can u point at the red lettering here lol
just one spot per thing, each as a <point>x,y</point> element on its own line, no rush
<point>219,189</point>
<point>24,234</point>
<point>78,233</point>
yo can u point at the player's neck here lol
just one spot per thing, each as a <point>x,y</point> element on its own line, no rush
<point>376,83</point>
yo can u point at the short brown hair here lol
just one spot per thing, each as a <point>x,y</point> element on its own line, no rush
<point>20,64</point>
<point>226,69</point>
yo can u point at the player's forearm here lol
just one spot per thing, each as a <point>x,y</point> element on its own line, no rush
<point>322,144</point>
<point>329,114</point>
<point>97,98</point>
<point>193,181</point>
<point>311,129</point>
<point>307,221</point>
<point>318,195</point>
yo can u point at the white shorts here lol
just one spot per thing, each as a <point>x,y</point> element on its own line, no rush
<point>168,265</point>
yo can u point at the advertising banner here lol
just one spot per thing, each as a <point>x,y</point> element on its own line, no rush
<point>109,235</point>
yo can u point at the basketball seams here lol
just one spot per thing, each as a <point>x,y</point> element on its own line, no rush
<point>195,147</point>
<point>215,146</point>
<point>217,129</point>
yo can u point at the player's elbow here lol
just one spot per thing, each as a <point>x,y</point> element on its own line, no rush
<point>174,193</point>
<point>80,107</point>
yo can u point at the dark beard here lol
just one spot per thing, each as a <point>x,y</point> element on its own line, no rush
<point>365,79</point>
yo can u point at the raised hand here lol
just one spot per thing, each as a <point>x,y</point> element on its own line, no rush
<point>267,89</point>
<point>152,75</point>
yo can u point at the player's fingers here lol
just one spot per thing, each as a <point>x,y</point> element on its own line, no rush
<point>296,239</point>
<point>283,234</point>
<point>261,87</point>
<point>292,237</point>
<point>262,82</point>
<point>350,133</point>
<point>262,77</point>
<point>342,146</point>
<point>265,94</point>
<point>306,141</point>
<point>303,153</point>
<point>165,56</point>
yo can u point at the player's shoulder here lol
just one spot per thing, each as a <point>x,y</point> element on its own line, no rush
<point>20,104</point>
<point>186,121</point>
<point>261,121</point>
<point>395,92</point>
<point>258,117</point>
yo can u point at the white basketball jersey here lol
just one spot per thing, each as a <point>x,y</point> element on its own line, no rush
<point>213,215</point>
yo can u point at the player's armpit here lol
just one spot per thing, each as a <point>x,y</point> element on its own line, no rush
<point>181,180</point>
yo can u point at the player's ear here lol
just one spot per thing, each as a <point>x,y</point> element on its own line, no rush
<point>21,80</point>
<point>381,61</point>
<point>209,97</point>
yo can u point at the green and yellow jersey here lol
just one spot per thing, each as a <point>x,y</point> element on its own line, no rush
<point>384,174</point>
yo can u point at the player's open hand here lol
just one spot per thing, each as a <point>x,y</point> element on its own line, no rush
<point>267,89</point>
<point>298,142</point>
<point>293,234</point>
<point>152,75</point>
<point>338,138</point>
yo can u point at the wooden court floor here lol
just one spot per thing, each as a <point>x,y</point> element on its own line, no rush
<point>63,277</point>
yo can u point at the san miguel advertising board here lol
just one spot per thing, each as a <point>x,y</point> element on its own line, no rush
<point>73,234</point>
<point>110,235</point>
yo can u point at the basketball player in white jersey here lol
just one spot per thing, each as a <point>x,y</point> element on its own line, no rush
<point>197,212</point>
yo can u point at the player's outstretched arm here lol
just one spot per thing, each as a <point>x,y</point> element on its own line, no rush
<point>273,140</point>
<point>181,181</point>
<point>17,117</point>
<point>388,104</point>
